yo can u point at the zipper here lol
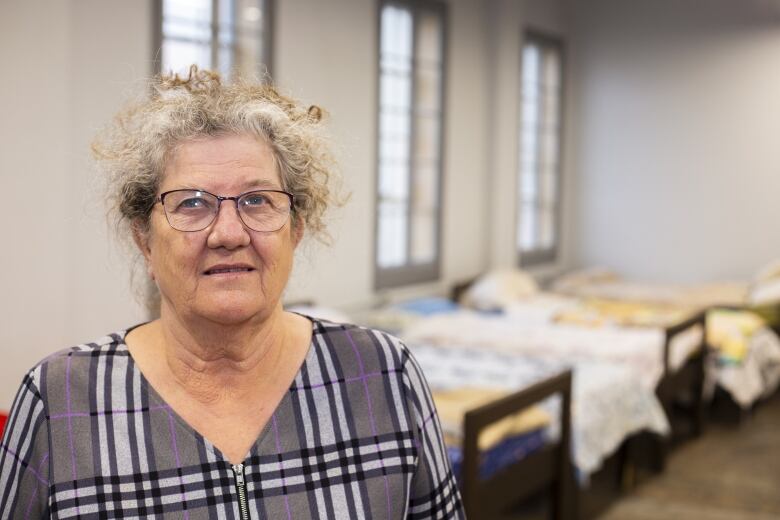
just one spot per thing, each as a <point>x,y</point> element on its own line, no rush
<point>238,471</point>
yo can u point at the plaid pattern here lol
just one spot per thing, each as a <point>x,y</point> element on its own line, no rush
<point>356,436</point>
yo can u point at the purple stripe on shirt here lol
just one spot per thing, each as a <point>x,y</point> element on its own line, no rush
<point>29,467</point>
<point>371,417</point>
<point>281,469</point>
<point>37,489</point>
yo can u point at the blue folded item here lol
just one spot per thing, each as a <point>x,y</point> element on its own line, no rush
<point>428,306</point>
<point>503,454</point>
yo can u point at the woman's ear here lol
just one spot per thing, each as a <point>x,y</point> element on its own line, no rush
<point>141,239</point>
<point>297,230</point>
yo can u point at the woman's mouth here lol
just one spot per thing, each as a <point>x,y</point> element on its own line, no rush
<point>227,270</point>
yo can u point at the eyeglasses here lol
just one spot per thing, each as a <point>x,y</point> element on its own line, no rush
<point>195,210</point>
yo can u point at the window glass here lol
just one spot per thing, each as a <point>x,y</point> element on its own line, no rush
<point>540,149</point>
<point>409,148</point>
<point>230,36</point>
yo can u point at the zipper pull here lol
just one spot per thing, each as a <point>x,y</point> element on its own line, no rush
<point>238,469</point>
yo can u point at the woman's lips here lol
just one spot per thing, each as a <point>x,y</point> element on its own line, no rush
<point>221,270</point>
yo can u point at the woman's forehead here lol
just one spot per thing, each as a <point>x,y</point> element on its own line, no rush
<point>232,161</point>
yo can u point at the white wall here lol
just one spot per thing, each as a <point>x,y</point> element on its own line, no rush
<point>33,153</point>
<point>678,117</point>
<point>66,68</point>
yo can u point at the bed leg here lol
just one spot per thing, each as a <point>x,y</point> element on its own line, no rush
<point>643,451</point>
<point>565,504</point>
<point>699,403</point>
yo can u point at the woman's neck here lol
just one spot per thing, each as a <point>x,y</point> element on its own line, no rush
<point>216,364</point>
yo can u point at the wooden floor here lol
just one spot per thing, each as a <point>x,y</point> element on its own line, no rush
<point>732,472</point>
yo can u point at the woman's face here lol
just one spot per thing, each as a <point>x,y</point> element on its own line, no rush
<point>191,268</point>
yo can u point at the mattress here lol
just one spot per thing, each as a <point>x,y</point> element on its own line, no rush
<point>639,349</point>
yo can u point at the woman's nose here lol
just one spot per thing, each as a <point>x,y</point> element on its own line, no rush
<point>228,229</point>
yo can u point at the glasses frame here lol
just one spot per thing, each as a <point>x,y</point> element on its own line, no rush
<point>220,199</point>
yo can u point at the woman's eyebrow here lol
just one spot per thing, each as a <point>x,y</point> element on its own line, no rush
<point>262,184</point>
<point>245,187</point>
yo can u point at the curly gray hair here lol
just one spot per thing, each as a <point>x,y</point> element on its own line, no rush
<point>134,150</point>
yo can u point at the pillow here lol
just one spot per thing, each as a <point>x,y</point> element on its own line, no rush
<point>765,292</point>
<point>498,289</point>
<point>771,271</point>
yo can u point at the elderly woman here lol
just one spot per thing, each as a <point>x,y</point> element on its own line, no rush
<point>226,406</point>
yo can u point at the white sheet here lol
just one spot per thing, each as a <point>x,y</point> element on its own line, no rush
<point>639,349</point>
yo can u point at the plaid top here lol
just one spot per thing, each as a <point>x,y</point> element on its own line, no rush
<point>356,436</point>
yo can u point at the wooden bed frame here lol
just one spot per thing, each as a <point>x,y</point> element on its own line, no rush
<point>548,469</point>
<point>688,379</point>
<point>678,389</point>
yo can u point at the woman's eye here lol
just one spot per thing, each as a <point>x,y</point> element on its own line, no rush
<point>255,200</point>
<point>193,203</point>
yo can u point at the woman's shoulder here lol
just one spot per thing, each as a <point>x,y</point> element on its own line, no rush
<point>72,358</point>
<point>362,343</point>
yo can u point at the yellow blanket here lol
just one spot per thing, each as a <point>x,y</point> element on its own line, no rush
<point>599,312</point>
<point>729,332</point>
<point>452,406</point>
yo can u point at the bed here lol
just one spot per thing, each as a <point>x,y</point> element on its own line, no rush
<point>743,321</point>
<point>668,361</point>
<point>761,294</point>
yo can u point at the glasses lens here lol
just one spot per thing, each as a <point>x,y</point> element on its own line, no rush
<point>190,210</point>
<point>264,210</point>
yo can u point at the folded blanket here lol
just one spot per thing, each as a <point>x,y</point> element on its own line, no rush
<point>452,406</point>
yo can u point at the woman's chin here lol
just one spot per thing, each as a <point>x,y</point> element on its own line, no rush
<point>233,310</point>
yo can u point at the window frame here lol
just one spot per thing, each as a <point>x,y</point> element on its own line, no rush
<point>542,255</point>
<point>267,35</point>
<point>410,273</point>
